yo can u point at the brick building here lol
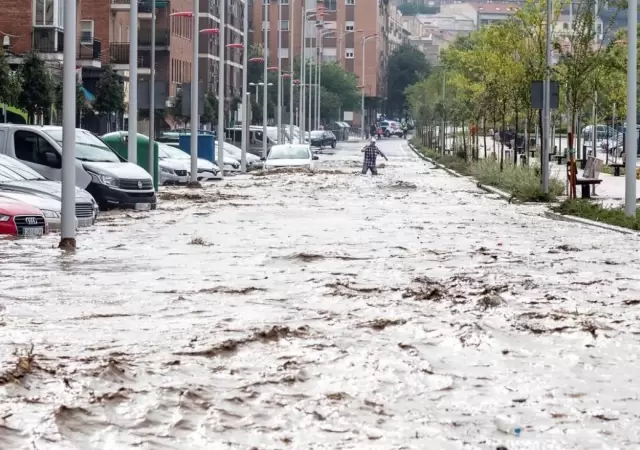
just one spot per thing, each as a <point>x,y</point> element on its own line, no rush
<point>103,37</point>
<point>348,20</point>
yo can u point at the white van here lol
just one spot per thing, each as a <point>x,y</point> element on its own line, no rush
<point>113,181</point>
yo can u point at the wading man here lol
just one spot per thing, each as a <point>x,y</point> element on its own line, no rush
<point>371,152</point>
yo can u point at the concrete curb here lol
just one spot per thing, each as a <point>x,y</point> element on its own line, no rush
<point>498,192</point>
<point>592,223</point>
<point>438,165</point>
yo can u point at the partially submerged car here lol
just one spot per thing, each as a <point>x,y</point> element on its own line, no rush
<point>21,219</point>
<point>50,207</point>
<point>206,169</point>
<point>16,177</point>
<point>290,155</point>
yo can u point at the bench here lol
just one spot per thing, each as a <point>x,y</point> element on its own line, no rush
<point>616,168</point>
<point>532,152</point>
<point>559,158</point>
<point>589,179</point>
<point>448,151</point>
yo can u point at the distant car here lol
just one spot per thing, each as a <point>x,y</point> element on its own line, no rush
<point>206,169</point>
<point>290,155</point>
<point>391,128</point>
<point>323,138</point>
<point>21,219</point>
<point>253,161</point>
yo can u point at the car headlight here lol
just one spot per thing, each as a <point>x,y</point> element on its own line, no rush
<point>107,180</point>
<point>51,214</point>
<point>4,218</point>
<point>167,170</point>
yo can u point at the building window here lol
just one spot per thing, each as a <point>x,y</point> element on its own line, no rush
<point>350,2</point>
<point>44,13</point>
<point>284,25</point>
<point>283,53</point>
<point>348,54</point>
<point>331,5</point>
<point>284,2</point>
<point>349,26</point>
<point>265,25</point>
<point>86,31</point>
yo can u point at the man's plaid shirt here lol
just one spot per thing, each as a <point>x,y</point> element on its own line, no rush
<point>371,152</point>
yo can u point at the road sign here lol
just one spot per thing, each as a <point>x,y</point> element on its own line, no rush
<point>537,94</point>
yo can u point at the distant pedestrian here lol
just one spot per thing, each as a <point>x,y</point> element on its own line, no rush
<point>372,130</point>
<point>371,153</point>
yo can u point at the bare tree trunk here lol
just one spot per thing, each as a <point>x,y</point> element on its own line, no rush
<point>504,127</point>
<point>515,139</point>
<point>484,133</point>
<point>464,142</point>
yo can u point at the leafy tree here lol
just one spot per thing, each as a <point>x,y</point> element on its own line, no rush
<point>210,115</point>
<point>176,109</point>
<point>36,93</point>
<point>412,9</point>
<point>9,82</point>
<point>109,93</point>
<point>407,65</point>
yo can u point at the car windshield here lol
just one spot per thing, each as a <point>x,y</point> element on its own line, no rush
<point>19,168</point>
<point>317,133</point>
<point>289,152</point>
<point>8,175</point>
<point>88,146</point>
<point>167,151</point>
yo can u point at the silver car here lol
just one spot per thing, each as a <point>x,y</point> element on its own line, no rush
<point>16,177</point>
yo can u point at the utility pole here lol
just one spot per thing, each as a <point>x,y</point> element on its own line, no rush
<point>152,92</point>
<point>632,111</point>
<point>195,121</point>
<point>546,106</point>
<point>221,87</point>
<point>68,232</point>
<point>279,119</point>
<point>132,143</point>
<point>246,96</point>
<point>292,16</point>
<point>266,80</point>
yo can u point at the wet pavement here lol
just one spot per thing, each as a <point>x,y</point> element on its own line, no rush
<point>323,311</point>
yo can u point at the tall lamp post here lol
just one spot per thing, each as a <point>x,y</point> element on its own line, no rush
<point>365,39</point>
<point>246,96</point>
<point>632,111</point>
<point>306,14</point>
<point>279,104</point>
<point>265,55</point>
<point>68,232</point>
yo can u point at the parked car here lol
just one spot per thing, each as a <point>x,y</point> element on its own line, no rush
<point>50,207</point>
<point>206,169</point>
<point>234,136</point>
<point>323,138</point>
<point>19,178</point>
<point>113,181</point>
<point>230,163</point>
<point>253,161</point>
<point>290,155</point>
<point>391,128</point>
<point>21,219</point>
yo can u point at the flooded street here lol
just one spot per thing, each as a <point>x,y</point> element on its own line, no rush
<point>323,311</point>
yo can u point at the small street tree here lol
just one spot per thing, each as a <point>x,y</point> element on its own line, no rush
<point>9,82</point>
<point>109,94</point>
<point>407,65</point>
<point>210,115</point>
<point>36,90</point>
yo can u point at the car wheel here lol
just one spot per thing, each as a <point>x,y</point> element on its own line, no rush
<point>333,144</point>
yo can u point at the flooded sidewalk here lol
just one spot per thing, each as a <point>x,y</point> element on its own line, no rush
<point>322,310</point>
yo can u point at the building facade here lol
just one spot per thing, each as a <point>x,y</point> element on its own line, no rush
<point>336,28</point>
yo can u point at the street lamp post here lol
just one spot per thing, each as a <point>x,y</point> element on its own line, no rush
<point>264,97</point>
<point>306,14</point>
<point>279,118</point>
<point>632,111</point>
<point>246,96</point>
<point>68,232</point>
<point>221,90</point>
<point>364,41</point>
<point>132,142</point>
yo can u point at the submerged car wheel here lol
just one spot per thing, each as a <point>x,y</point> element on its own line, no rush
<point>333,144</point>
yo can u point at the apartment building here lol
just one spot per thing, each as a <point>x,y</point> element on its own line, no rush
<point>398,34</point>
<point>335,26</point>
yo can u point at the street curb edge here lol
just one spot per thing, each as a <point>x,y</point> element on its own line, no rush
<point>438,165</point>
<point>496,191</point>
<point>588,222</point>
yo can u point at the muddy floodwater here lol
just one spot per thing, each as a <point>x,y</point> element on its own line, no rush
<point>323,311</point>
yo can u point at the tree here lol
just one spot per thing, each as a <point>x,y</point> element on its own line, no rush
<point>109,93</point>
<point>407,65</point>
<point>9,82</point>
<point>412,9</point>
<point>36,93</point>
<point>176,108</point>
<point>210,115</point>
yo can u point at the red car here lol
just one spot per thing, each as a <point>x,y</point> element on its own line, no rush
<point>20,219</point>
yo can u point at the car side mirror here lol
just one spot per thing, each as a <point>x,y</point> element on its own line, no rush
<point>315,157</point>
<point>53,160</point>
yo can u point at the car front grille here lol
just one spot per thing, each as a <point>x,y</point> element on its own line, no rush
<point>84,210</point>
<point>135,185</point>
<point>23,222</point>
<point>181,173</point>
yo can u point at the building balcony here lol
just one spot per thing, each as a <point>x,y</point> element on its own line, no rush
<point>119,58</point>
<point>163,38</point>
<point>144,6</point>
<point>90,53</point>
<point>48,43</point>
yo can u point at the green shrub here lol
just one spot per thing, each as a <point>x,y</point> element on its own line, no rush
<point>596,212</point>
